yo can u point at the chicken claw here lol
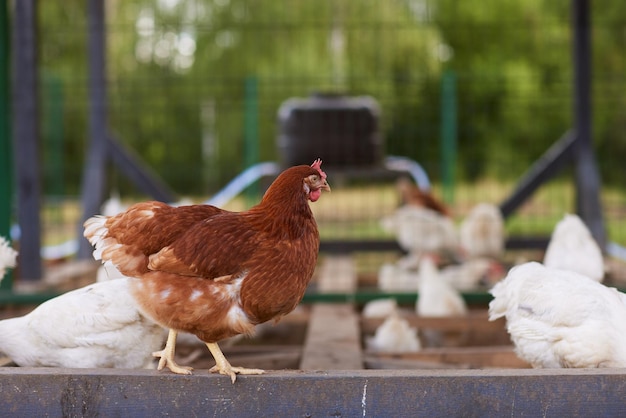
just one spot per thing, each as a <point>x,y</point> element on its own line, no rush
<point>167,356</point>
<point>222,366</point>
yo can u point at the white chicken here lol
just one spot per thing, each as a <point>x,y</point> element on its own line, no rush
<point>572,247</point>
<point>8,257</point>
<point>396,278</point>
<point>559,318</point>
<point>395,335</point>
<point>482,234</point>
<point>421,231</point>
<point>411,194</point>
<point>113,205</point>
<point>473,273</point>
<point>380,308</point>
<point>98,325</point>
<point>107,271</point>
<point>436,297</point>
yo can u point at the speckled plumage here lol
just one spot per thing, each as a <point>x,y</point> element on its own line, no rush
<point>216,273</point>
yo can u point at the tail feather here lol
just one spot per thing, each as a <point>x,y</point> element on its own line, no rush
<point>499,305</point>
<point>96,232</point>
<point>129,261</point>
<point>95,228</point>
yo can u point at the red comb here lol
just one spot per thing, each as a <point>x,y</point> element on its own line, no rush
<point>317,165</point>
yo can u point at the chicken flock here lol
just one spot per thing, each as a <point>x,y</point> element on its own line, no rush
<point>197,269</point>
<point>558,313</point>
<point>215,274</point>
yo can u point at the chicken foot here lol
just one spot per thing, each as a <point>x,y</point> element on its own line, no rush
<point>167,355</point>
<point>222,366</point>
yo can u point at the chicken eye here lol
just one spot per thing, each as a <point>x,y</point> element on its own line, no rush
<point>314,177</point>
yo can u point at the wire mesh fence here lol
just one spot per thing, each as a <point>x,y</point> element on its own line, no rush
<point>473,93</point>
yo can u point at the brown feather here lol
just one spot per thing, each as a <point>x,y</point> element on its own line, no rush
<point>217,273</point>
<point>413,195</point>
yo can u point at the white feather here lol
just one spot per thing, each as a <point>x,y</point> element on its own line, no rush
<point>380,308</point>
<point>481,233</point>
<point>419,230</point>
<point>559,318</point>
<point>395,335</point>
<point>467,275</point>
<point>572,247</point>
<point>394,278</point>
<point>436,297</point>
<point>98,325</point>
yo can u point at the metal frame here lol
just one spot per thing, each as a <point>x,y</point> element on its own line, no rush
<point>314,393</point>
<point>25,137</point>
<point>575,146</point>
<point>103,146</point>
<point>6,150</point>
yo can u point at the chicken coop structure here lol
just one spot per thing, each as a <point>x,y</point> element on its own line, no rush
<point>574,147</point>
<point>333,378</point>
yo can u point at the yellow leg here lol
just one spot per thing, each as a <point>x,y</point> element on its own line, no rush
<point>223,366</point>
<point>167,355</point>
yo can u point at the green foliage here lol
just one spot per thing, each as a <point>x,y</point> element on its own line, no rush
<point>63,81</point>
<point>177,69</point>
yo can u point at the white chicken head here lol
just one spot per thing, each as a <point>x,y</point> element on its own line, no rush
<point>572,247</point>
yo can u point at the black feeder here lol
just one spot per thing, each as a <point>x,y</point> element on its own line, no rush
<point>343,131</point>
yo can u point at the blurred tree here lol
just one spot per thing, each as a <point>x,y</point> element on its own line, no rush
<point>63,60</point>
<point>515,80</point>
<point>177,71</point>
<point>609,83</point>
<point>293,48</point>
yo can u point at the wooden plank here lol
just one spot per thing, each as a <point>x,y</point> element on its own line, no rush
<point>267,357</point>
<point>333,339</point>
<point>363,393</point>
<point>462,357</point>
<point>377,362</point>
<point>472,329</point>
<point>474,320</point>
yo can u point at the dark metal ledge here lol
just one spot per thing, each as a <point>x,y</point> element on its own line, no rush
<point>363,393</point>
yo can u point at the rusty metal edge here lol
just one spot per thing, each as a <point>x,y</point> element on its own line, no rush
<point>137,393</point>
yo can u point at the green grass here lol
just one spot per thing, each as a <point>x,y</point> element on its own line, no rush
<point>355,212</point>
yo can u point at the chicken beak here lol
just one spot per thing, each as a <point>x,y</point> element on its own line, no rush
<point>325,186</point>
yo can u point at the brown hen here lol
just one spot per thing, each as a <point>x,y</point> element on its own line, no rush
<point>212,272</point>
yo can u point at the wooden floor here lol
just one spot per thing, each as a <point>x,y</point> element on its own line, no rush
<point>317,366</point>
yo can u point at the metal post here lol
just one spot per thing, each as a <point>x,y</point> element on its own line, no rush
<point>448,134</point>
<point>575,146</point>
<point>251,126</point>
<point>587,176</point>
<point>94,179</point>
<point>25,137</point>
<point>6,166</point>
<point>52,130</point>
